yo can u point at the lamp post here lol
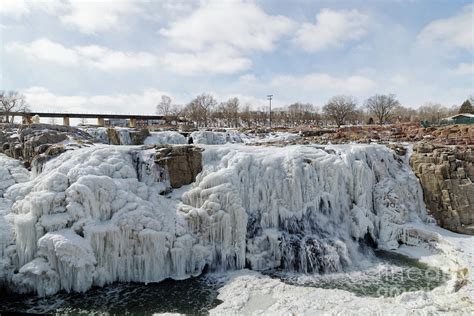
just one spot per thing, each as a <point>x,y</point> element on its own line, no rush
<point>269,98</point>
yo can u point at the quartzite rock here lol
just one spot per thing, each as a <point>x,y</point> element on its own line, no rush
<point>447,177</point>
<point>138,136</point>
<point>183,163</point>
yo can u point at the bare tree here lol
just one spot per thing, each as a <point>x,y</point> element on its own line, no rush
<point>11,102</point>
<point>382,106</point>
<point>339,108</point>
<point>176,110</point>
<point>246,115</point>
<point>164,107</point>
<point>200,109</point>
<point>83,121</point>
<point>404,114</point>
<point>231,112</point>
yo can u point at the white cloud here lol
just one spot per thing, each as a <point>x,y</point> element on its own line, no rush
<point>144,102</point>
<point>93,56</point>
<point>217,36</point>
<point>454,32</point>
<point>324,82</point>
<point>464,69</point>
<point>87,16</point>
<point>91,17</point>
<point>332,29</point>
<point>219,60</point>
<point>14,8</point>
<point>398,80</point>
<point>242,25</point>
<point>107,59</point>
<point>20,8</point>
<point>46,50</point>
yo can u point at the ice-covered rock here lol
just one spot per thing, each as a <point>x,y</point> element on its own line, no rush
<point>308,207</point>
<point>98,133</point>
<point>216,138</point>
<point>11,172</point>
<point>96,215</point>
<point>165,138</point>
<point>26,142</point>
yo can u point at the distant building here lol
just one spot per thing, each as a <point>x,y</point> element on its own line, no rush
<point>462,118</point>
<point>146,123</point>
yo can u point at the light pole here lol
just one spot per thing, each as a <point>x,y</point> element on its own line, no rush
<point>269,98</point>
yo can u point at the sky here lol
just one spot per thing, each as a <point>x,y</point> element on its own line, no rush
<point>121,56</point>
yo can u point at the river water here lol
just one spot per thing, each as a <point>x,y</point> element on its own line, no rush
<point>390,275</point>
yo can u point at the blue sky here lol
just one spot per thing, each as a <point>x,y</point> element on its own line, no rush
<point>121,56</point>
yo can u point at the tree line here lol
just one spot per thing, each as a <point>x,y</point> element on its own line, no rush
<point>205,111</point>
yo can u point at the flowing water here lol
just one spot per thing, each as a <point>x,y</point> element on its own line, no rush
<point>390,275</point>
<point>191,296</point>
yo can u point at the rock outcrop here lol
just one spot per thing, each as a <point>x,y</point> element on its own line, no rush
<point>113,136</point>
<point>182,162</point>
<point>407,132</point>
<point>447,177</point>
<point>26,142</point>
<point>138,136</point>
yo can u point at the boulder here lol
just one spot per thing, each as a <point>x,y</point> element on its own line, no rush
<point>138,136</point>
<point>113,136</point>
<point>182,162</point>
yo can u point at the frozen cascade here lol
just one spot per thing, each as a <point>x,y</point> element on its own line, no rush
<point>308,207</point>
<point>124,136</point>
<point>217,138</point>
<point>96,215</point>
<point>166,137</point>
<point>11,172</point>
<point>99,133</point>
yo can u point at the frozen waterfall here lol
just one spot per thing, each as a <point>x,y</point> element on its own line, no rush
<point>100,214</point>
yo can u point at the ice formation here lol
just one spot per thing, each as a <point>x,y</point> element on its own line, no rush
<point>308,207</point>
<point>274,137</point>
<point>97,215</point>
<point>99,133</point>
<point>217,138</point>
<point>11,172</point>
<point>163,138</point>
<point>173,137</point>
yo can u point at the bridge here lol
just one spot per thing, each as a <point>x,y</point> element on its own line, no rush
<point>28,117</point>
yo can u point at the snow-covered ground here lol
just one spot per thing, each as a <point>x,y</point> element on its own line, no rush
<point>249,292</point>
<point>95,215</point>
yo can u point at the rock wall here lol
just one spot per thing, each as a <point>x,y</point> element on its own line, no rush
<point>447,175</point>
<point>183,163</point>
<point>26,142</point>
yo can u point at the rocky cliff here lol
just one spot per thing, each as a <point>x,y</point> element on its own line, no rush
<point>27,142</point>
<point>447,175</point>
